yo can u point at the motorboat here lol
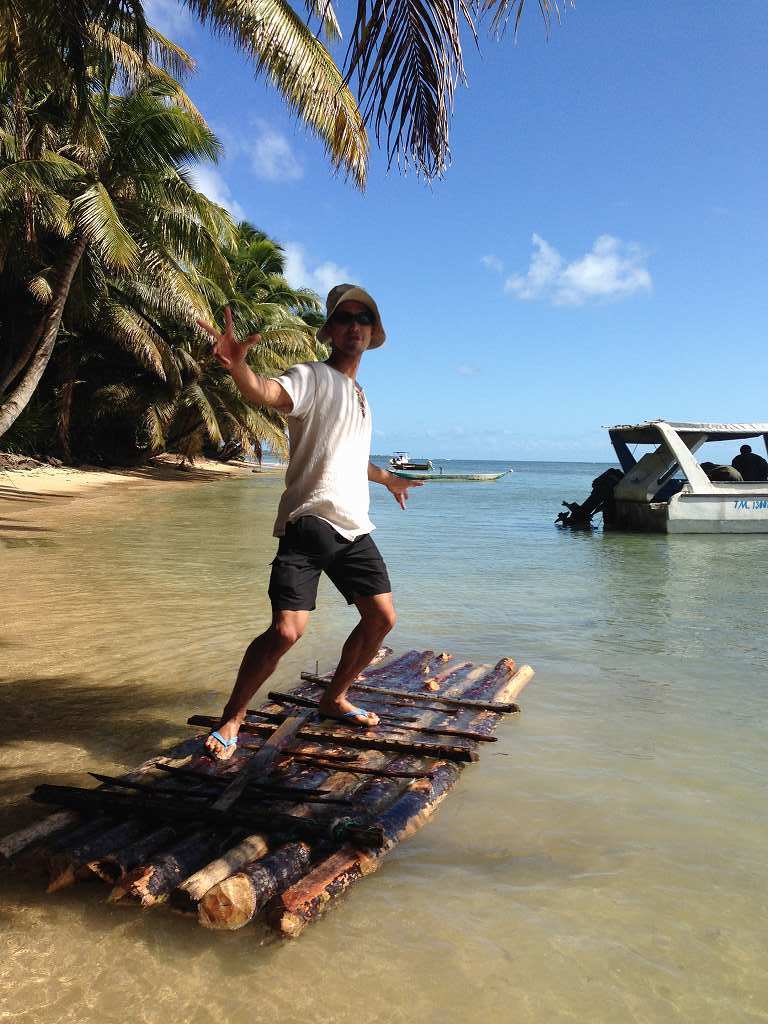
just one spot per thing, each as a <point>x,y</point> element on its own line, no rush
<point>401,460</point>
<point>667,489</point>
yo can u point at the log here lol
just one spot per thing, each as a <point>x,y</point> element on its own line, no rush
<point>66,867</point>
<point>454,702</point>
<point>215,783</point>
<point>385,773</point>
<point>179,812</point>
<point>298,700</point>
<point>41,830</point>
<point>511,691</point>
<point>492,682</point>
<point>35,859</point>
<point>116,867</point>
<point>187,895</point>
<point>261,763</point>
<point>410,663</point>
<point>367,739</point>
<point>152,882</point>
<point>17,841</point>
<point>378,793</point>
<point>290,912</point>
<point>486,721</point>
<point>236,900</point>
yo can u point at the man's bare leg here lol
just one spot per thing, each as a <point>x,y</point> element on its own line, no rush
<point>259,662</point>
<point>377,617</point>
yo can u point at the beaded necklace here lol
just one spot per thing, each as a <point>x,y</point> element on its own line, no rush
<point>360,398</point>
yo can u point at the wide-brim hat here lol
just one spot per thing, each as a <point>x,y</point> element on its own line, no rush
<point>351,293</point>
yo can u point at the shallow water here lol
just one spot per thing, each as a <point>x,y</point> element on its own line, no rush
<point>604,862</point>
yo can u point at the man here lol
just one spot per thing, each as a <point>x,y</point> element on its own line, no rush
<point>322,520</point>
<point>752,466</point>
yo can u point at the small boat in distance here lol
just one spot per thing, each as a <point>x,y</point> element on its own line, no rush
<point>401,460</point>
<point>453,477</point>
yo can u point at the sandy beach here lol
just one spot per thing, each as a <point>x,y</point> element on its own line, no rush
<point>32,490</point>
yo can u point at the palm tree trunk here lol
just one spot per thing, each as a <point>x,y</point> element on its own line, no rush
<point>24,356</point>
<point>16,402</point>
<point>66,395</point>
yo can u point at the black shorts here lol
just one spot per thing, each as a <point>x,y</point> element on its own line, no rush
<point>311,546</point>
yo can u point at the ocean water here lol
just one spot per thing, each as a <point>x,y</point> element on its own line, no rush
<point>604,862</point>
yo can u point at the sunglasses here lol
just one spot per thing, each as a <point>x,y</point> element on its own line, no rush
<point>365,319</point>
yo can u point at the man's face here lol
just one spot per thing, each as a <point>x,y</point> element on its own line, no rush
<point>350,339</point>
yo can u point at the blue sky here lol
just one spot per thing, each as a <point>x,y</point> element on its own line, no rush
<point>596,253</point>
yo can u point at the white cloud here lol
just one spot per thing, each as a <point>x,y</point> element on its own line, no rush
<point>272,157</point>
<point>612,269</point>
<point>467,371</point>
<point>211,183</point>
<point>492,263</point>
<point>169,18</point>
<point>320,278</point>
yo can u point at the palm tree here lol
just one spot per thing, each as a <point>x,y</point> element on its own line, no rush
<point>132,376</point>
<point>54,40</point>
<point>405,55</point>
<point>199,408</point>
<point>109,197</point>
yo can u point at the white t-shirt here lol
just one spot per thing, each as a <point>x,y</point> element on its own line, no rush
<point>330,441</point>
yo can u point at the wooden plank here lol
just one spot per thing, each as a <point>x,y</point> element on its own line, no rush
<point>367,740</point>
<point>261,763</point>
<point>389,722</point>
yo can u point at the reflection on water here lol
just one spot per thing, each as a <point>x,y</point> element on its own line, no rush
<point>600,864</point>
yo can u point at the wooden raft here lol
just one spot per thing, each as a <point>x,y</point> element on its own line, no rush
<point>303,810</point>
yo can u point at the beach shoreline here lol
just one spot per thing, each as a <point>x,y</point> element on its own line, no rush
<point>30,489</point>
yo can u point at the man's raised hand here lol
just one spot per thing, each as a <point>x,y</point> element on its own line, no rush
<point>228,350</point>
<point>398,487</point>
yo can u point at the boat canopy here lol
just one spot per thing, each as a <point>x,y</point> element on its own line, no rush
<point>648,433</point>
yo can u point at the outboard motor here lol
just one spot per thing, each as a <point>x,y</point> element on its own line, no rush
<point>579,517</point>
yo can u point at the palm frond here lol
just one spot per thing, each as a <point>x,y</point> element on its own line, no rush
<point>194,398</point>
<point>170,63</point>
<point>504,11</point>
<point>52,171</point>
<point>133,333</point>
<point>99,221</point>
<point>407,58</point>
<point>283,47</point>
<point>40,288</point>
<point>324,12</point>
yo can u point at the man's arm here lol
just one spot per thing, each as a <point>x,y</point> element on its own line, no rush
<point>397,486</point>
<point>232,353</point>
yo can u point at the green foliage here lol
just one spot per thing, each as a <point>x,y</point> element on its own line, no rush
<point>132,374</point>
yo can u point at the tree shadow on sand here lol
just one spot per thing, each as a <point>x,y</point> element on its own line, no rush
<point>56,729</point>
<point>53,730</point>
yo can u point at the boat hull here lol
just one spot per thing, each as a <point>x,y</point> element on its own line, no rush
<point>719,513</point>
<point>450,477</point>
<point>728,512</point>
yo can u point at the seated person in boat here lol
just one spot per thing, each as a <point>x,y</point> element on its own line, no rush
<point>752,466</point>
<point>322,519</point>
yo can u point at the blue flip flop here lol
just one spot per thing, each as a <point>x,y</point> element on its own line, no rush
<point>351,717</point>
<point>225,743</point>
